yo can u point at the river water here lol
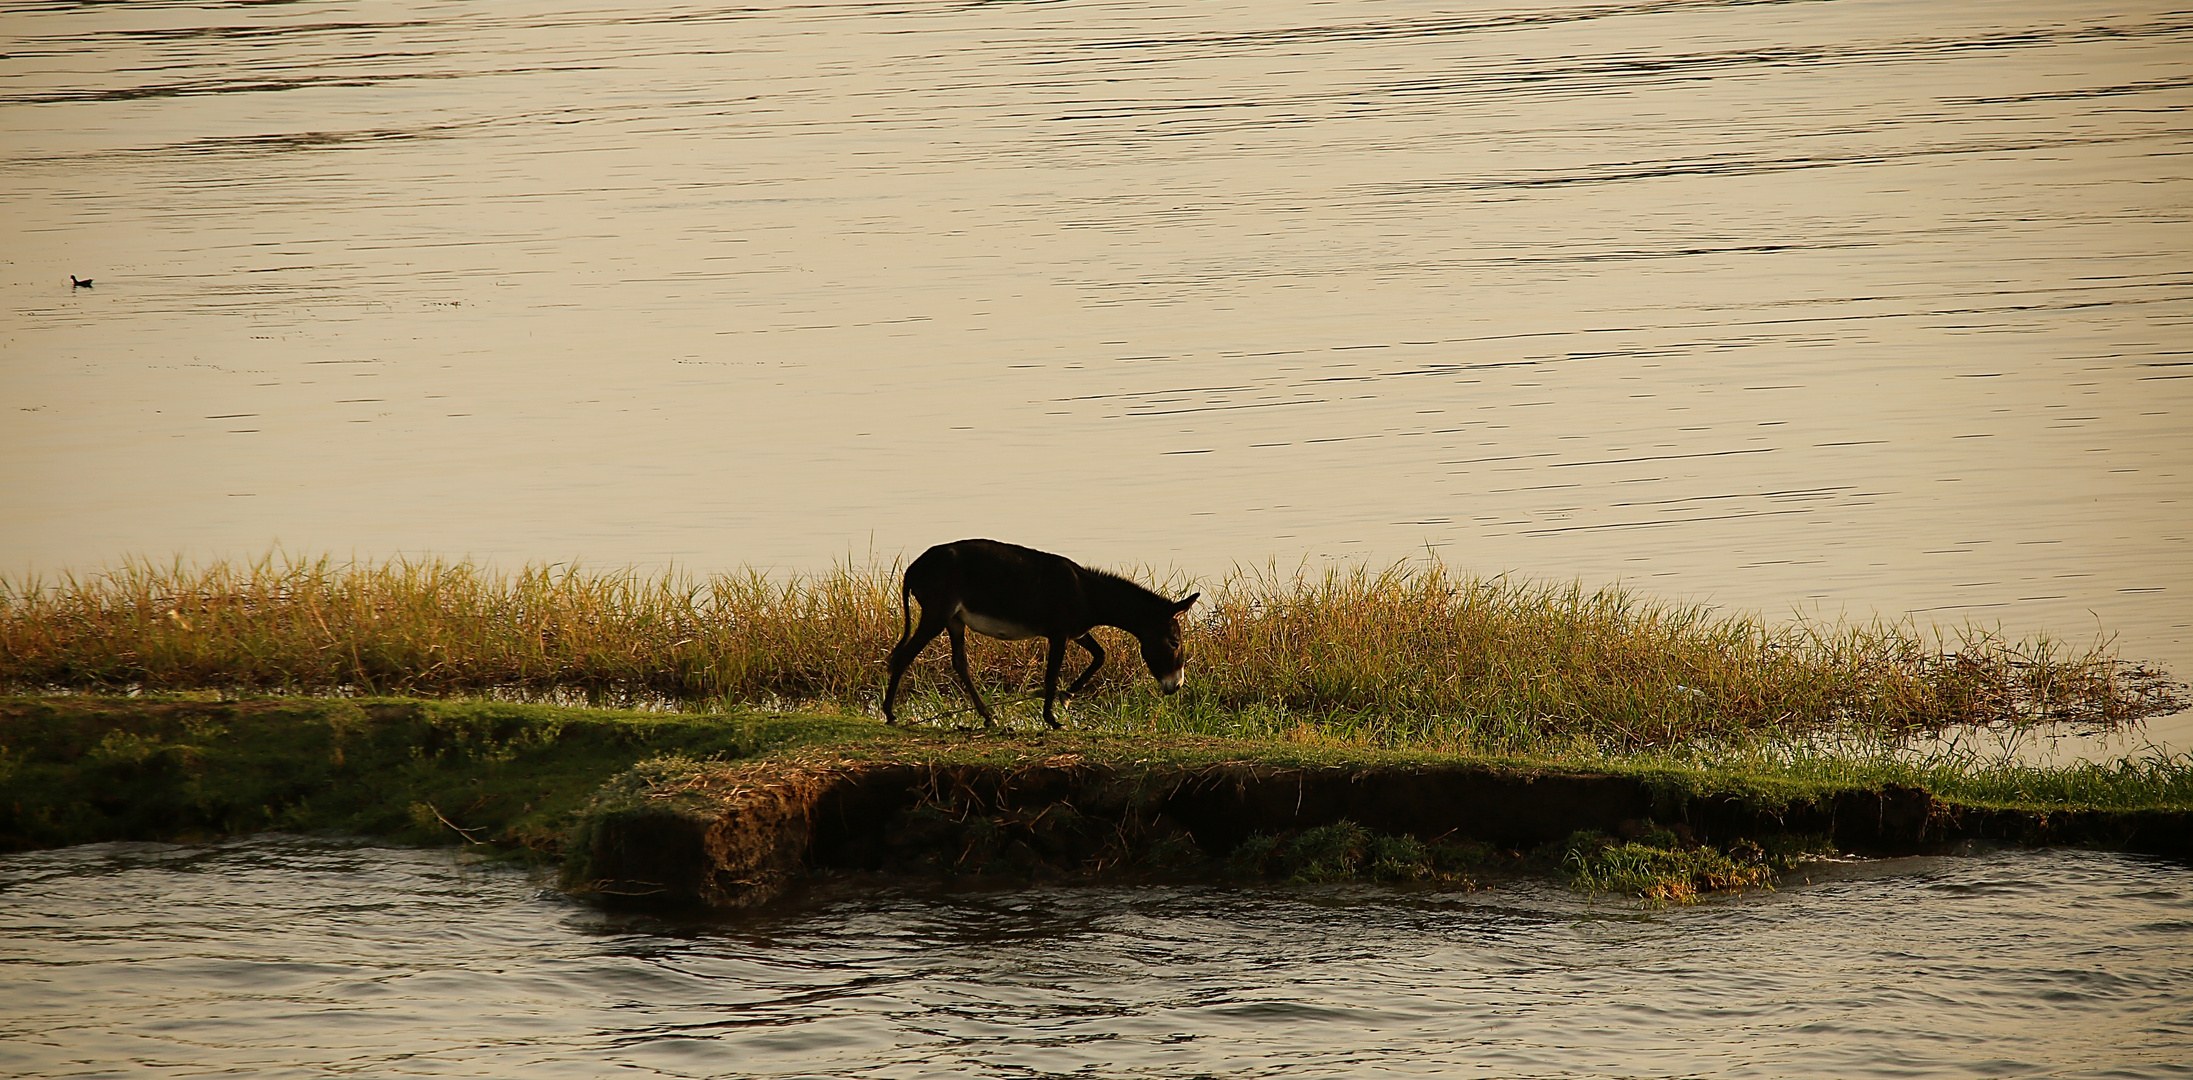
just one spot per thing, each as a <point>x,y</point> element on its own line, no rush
<point>1839,307</point>
<point>279,956</point>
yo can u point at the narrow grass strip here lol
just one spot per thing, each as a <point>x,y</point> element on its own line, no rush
<point>1411,654</point>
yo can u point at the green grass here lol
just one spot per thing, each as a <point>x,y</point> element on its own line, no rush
<point>1413,655</point>
<point>76,768</point>
<point>1768,772</point>
<point>81,769</point>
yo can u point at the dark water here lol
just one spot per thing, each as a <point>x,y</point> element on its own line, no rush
<point>278,956</point>
<point>1834,307</point>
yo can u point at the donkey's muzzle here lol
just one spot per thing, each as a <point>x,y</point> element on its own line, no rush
<point>1171,683</point>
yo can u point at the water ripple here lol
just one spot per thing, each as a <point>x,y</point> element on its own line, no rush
<point>300,957</point>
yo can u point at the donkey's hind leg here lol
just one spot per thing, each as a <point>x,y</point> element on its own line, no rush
<point>902,657</point>
<point>966,679</point>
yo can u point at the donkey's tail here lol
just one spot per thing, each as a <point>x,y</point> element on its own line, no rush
<point>906,610</point>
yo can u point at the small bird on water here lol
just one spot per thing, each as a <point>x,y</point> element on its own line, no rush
<point>79,283</point>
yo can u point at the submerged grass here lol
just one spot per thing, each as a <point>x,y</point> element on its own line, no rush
<point>1659,867</point>
<point>1412,655</point>
<point>1346,851</point>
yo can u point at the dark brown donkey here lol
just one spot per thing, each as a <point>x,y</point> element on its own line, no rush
<point>1010,592</point>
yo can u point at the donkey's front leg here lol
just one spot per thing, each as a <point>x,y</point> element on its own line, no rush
<point>1096,660</point>
<point>1051,664</point>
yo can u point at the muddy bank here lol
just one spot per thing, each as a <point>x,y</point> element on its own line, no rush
<point>737,836</point>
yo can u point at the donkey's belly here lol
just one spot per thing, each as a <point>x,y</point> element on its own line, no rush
<point>995,627</point>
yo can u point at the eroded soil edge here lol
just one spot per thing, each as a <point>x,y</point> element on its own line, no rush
<point>735,836</point>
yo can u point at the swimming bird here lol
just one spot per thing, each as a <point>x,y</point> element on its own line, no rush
<point>79,283</point>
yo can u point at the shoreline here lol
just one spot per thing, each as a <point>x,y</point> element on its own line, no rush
<point>735,809</point>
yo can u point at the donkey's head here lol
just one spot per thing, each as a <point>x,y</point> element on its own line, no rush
<point>1163,649</point>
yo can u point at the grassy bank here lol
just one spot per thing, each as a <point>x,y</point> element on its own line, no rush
<point>81,769</point>
<point>1409,656</point>
<point>550,780</point>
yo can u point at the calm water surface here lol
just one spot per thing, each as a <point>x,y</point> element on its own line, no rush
<point>279,956</point>
<point>1828,307</point>
<point>1834,307</point>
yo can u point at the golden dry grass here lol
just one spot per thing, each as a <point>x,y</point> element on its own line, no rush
<point>1416,652</point>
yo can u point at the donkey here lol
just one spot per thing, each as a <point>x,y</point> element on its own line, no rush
<point>1010,592</point>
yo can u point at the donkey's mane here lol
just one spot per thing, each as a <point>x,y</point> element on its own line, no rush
<point>1111,580</point>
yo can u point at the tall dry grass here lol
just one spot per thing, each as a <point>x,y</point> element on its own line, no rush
<point>1409,648</point>
<point>1418,640</point>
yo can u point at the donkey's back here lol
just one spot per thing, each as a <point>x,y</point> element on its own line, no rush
<point>1001,590</point>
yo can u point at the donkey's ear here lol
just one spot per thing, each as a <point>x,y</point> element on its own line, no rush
<point>1186,604</point>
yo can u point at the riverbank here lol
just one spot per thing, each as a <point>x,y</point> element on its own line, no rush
<point>734,808</point>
